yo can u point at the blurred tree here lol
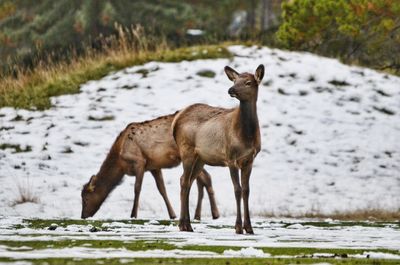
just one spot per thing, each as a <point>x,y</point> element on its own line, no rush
<point>363,31</point>
<point>267,14</point>
<point>255,19</point>
<point>29,30</point>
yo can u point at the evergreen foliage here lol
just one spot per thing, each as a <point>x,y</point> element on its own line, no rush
<point>362,31</point>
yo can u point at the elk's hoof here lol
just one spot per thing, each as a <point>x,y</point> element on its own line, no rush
<point>197,217</point>
<point>172,217</point>
<point>249,230</point>
<point>185,226</point>
<point>239,229</point>
<point>215,215</point>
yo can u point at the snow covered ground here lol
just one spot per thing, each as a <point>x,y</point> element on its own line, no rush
<point>330,138</point>
<point>358,240</point>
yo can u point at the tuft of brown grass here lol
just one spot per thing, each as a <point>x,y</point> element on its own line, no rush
<point>360,215</point>
<point>32,89</point>
<point>25,194</point>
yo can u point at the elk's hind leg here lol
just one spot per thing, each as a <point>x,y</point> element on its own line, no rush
<point>191,169</point>
<point>200,195</point>
<point>161,188</point>
<point>205,179</point>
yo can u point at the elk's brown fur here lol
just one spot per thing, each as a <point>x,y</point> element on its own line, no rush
<point>141,147</point>
<point>221,137</point>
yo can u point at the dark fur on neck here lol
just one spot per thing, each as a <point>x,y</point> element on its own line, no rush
<point>248,120</point>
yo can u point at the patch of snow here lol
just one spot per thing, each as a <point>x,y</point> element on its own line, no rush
<point>247,252</point>
<point>153,222</point>
<point>296,226</point>
<point>116,224</point>
<point>322,255</point>
<point>20,248</point>
<point>9,222</point>
<point>195,32</point>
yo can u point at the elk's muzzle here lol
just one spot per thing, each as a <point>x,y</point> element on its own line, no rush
<point>84,215</point>
<point>232,92</point>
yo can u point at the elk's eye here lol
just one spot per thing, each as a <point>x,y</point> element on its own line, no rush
<point>248,83</point>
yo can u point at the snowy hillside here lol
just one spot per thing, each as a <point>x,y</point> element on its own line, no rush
<point>330,138</point>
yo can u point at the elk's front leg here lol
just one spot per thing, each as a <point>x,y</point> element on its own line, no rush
<point>238,195</point>
<point>138,188</point>
<point>245,177</point>
<point>161,188</point>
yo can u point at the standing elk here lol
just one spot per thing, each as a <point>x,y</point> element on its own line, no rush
<point>140,147</point>
<point>221,137</point>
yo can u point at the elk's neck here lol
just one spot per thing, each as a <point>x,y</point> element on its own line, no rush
<point>248,119</point>
<point>110,174</point>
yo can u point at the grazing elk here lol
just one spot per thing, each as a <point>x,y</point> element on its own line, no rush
<point>221,137</point>
<point>145,146</point>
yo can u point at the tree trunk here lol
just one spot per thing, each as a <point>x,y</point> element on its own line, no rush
<point>251,15</point>
<point>267,15</point>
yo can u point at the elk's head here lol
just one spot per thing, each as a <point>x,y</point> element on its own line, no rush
<point>245,86</point>
<point>92,198</point>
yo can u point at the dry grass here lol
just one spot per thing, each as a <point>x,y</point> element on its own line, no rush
<point>25,193</point>
<point>33,89</point>
<point>361,214</point>
<point>369,214</point>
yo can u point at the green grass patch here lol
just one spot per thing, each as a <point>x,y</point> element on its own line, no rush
<point>17,148</point>
<point>206,73</point>
<point>205,261</point>
<point>338,83</point>
<point>46,223</point>
<point>139,245</point>
<point>104,118</point>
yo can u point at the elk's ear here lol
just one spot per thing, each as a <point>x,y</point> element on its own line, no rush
<point>232,74</point>
<point>91,186</point>
<point>259,73</point>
